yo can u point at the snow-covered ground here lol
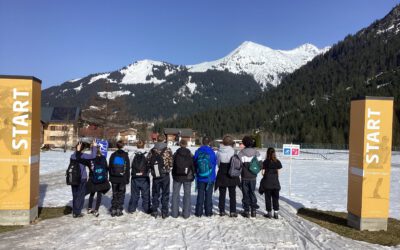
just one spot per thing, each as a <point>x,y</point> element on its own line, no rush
<point>316,183</point>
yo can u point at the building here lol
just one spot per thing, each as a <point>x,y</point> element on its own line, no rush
<point>128,136</point>
<point>60,126</point>
<point>174,135</point>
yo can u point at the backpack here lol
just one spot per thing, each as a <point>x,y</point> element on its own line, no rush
<point>99,171</point>
<point>203,163</point>
<point>254,167</point>
<point>139,166</point>
<point>117,167</point>
<point>182,164</point>
<point>73,173</point>
<point>235,168</point>
<point>157,164</point>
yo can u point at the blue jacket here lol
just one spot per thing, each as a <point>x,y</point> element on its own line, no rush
<point>213,160</point>
<point>92,155</point>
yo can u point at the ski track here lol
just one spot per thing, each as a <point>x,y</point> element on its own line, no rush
<point>141,231</point>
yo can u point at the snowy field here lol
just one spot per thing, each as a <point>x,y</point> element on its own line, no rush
<point>319,180</point>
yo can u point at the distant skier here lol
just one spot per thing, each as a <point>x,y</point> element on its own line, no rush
<point>205,162</point>
<point>79,190</point>
<point>270,183</point>
<point>251,160</point>
<point>224,180</point>
<point>119,170</point>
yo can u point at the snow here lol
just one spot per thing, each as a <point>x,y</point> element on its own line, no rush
<point>188,89</point>
<point>94,108</point>
<point>383,85</point>
<point>98,77</point>
<point>74,80</point>
<point>265,64</point>
<point>316,183</point>
<point>139,71</point>
<point>79,88</point>
<point>113,94</point>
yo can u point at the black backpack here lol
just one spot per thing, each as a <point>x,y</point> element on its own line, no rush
<point>182,164</point>
<point>73,173</point>
<point>139,167</point>
<point>99,172</point>
<point>157,164</point>
<point>118,165</point>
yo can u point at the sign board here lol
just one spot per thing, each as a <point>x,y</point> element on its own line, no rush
<point>103,144</point>
<point>370,146</point>
<point>20,130</point>
<point>291,150</point>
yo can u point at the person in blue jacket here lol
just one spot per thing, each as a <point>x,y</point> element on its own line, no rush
<point>79,191</point>
<point>205,161</point>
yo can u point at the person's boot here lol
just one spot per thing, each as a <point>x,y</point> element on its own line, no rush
<point>268,215</point>
<point>253,213</point>
<point>154,214</point>
<point>246,214</point>
<point>164,216</point>
<point>89,211</point>
<point>276,216</point>
<point>113,212</point>
<point>222,213</point>
<point>233,215</point>
<point>95,213</point>
<point>119,212</point>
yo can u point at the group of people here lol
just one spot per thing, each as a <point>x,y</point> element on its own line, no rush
<point>235,169</point>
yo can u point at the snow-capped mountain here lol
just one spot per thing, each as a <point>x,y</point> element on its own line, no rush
<point>153,89</point>
<point>266,65</point>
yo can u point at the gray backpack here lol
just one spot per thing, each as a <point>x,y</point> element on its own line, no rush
<point>235,168</point>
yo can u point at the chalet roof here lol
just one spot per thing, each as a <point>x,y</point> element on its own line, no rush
<point>60,114</point>
<point>186,132</point>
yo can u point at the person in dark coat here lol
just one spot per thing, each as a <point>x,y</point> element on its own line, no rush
<point>91,187</point>
<point>182,174</point>
<point>79,191</point>
<point>119,171</point>
<point>270,183</point>
<point>224,180</point>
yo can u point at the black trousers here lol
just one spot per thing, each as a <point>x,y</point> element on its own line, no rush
<point>118,196</point>
<point>161,187</point>
<point>272,194</point>
<point>232,199</point>
<point>98,200</point>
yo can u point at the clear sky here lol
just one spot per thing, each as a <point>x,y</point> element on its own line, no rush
<point>57,40</point>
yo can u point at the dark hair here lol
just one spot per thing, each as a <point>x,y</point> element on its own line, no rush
<point>227,141</point>
<point>140,144</point>
<point>270,154</point>
<point>206,140</point>
<point>160,138</point>
<point>248,141</point>
<point>120,144</point>
<point>183,143</point>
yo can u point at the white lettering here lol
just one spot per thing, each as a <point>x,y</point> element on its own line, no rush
<point>17,93</point>
<point>372,137</point>
<point>370,113</point>
<point>21,120</point>
<point>372,158</point>
<point>19,144</point>
<point>20,106</point>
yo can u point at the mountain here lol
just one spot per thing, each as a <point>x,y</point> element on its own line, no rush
<point>312,104</point>
<point>150,90</point>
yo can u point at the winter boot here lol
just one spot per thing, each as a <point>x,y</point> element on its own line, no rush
<point>89,211</point>
<point>113,213</point>
<point>222,213</point>
<point>119,212</point>
<point>276,216</point>
<point>95,213</point>
<point>253,213</point>
<point>154,214</point>
<point>246,214</point>
<point>233,215</point>
<point>268,215</point>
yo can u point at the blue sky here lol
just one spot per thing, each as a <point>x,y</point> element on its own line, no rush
<point>61,40</point>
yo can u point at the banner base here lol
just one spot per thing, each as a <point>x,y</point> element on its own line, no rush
<point>18,217</point>
<point>370,224</point>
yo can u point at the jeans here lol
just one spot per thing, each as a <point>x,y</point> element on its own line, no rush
<point>176,187</point>
<point>249,197</point>
<point>274,194</point>
<point>160,188</point>
<point>140,187</point>
<point>78,197</point>
<point>118,196</point>
<point>232,199</point>
<point>98,200</point>
<point>204,197</point>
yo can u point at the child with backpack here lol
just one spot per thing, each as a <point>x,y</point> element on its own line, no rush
<point>160,163</point>
<point>224,178</point>
<point>205,162</point>
<point>140,182</point>
<point>119,170</point>
<point>98,181</point>
<point>251,160</point>
<point>77,179</point>
<point>270,184</point>
<point>182,174</point>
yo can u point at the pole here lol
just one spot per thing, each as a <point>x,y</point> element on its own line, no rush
<point>290,176</point>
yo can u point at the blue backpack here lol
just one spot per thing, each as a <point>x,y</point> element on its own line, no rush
<point>203,164</point>
<point>117,168</point>
<point>99,171</point>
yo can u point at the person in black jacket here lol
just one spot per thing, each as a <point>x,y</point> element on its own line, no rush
<point>98,182</point>
<point>182,174</point>
<point>224,180</point>
<point>119,170</point>
<point>270,183</point>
